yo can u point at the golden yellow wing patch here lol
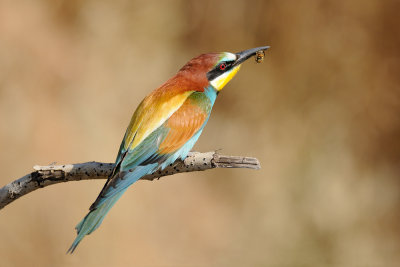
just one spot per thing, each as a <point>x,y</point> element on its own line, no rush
<point>152,112</point>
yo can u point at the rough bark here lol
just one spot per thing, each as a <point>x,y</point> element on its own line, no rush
<point>54,174</point>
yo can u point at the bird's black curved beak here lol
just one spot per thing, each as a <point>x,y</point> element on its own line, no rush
<point>246,54</point>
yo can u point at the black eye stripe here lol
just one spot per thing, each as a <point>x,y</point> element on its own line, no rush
<point>228,64</point>
<point>217,71</point>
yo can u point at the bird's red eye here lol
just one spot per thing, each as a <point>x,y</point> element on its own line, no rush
<point>222,66</point>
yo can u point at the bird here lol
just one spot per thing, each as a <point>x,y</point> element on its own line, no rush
<point>165,127</point>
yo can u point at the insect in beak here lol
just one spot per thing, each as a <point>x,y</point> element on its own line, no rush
<point>259,57</point>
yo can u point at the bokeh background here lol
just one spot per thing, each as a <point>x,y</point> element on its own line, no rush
<point>321,114</point>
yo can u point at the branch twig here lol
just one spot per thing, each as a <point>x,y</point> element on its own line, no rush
<point>54,174</point>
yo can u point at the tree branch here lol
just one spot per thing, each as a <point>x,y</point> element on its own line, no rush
<point>54,174</point>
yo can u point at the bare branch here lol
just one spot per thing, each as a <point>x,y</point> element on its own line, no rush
<point>54,174</point>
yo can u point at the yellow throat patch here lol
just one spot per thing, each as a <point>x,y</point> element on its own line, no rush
<point>220,81</point>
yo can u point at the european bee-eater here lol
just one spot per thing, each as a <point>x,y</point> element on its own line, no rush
<point>164,127</point>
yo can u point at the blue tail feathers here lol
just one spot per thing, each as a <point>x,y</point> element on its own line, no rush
<point>93,220</point>
<point>96,216</point>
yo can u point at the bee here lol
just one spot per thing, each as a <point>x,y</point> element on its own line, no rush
<point>260,56</point>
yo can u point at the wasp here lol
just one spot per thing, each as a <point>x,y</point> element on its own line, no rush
<point>260,56</point>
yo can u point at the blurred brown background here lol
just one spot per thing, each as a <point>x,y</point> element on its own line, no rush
<point>321,113</point>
